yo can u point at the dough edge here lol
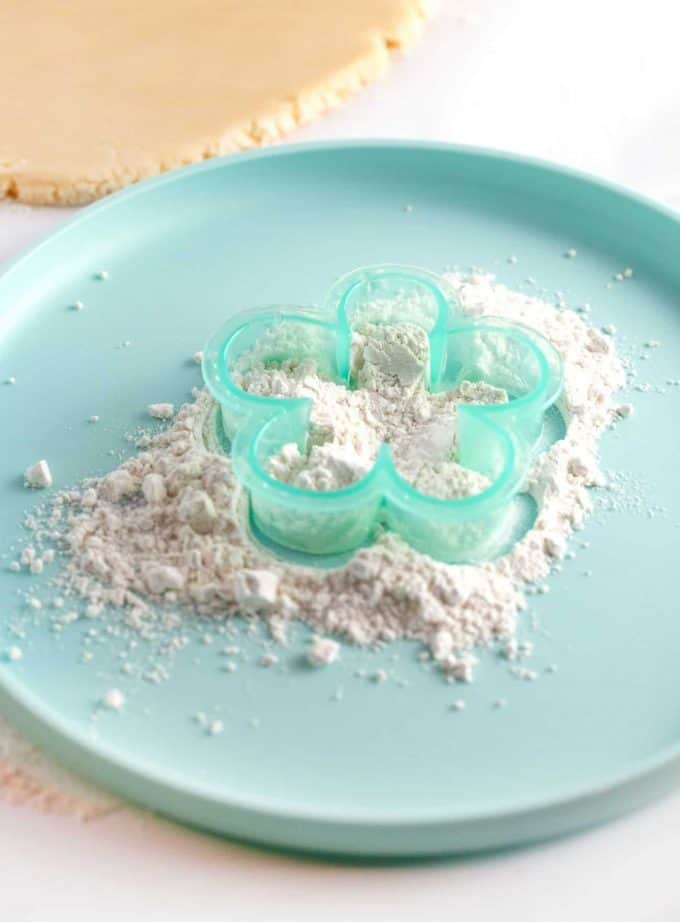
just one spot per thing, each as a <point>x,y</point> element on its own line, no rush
<point>265,127</point>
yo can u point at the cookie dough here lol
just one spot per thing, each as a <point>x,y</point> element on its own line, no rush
<point>96,95</point>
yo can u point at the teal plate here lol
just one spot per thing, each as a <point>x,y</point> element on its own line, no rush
<point>389,769</point>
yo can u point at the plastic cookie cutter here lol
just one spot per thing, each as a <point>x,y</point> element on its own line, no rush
<point>496,440</point>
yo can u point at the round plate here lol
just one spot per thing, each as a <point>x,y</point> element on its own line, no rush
<point>387,769</point>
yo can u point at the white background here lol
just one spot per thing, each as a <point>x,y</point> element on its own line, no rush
<point>591,83</point>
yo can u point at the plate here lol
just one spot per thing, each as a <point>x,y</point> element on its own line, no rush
<point>388,769</point>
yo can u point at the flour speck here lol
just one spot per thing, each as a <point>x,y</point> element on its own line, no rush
<point>113,699</point>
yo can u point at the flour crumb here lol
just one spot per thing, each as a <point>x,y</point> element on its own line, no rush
<point>117,485</point>
<point>169,527</point>
<point>256,590</point>
<point>153,488</point>
<point>38,475</point>
<point>161,410</point>
<point>14,654</point>
<point>460,668</point>
<point>197,509</point>
<point>113,699</point>
<point>624,410</point>
<point>322,651</point>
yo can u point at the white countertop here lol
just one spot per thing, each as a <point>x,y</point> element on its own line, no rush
<point>594,85</point>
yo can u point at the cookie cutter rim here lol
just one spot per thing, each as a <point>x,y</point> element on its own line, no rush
<point>383,481</point>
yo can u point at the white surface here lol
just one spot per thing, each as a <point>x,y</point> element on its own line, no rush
<point>591,84</point>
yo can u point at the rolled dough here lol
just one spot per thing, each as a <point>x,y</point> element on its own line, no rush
<point>96,94</point>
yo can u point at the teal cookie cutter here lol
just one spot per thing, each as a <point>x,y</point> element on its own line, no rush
<point>497,440</point>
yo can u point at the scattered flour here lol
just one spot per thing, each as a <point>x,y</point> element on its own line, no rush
<point>161,410</point>
<point>39,475</point>
<point>322,651</point>
<point>170,523</point>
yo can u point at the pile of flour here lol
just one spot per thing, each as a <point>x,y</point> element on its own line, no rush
<point>169,525</point>
<point>389,402</point>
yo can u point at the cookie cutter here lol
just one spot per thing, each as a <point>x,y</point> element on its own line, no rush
<point>497,440</point>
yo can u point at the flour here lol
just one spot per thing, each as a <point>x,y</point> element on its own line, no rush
<point>322,651</point>
<point>39,475</point>
<point>113,699</point>
<point>161,410</point>
<point>388,402</point>
<point>170,525</point>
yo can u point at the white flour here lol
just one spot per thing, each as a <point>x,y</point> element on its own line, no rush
<point>391,404</point>
<point>170,523</point>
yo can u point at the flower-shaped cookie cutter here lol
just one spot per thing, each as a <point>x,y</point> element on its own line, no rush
<point>496,440</point>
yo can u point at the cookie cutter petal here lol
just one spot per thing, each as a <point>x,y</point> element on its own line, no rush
<point>496,440</point>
